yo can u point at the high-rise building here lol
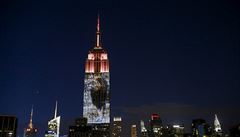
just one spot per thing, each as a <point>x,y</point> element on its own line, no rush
<point>134,131</point>
<point>96,99</point>
<point>200,128</point>
<point>155,126</point>
<point>178,130</point>
<point>53,125</point>
<point>217,127</point>
<point>80,129</point>
<point>144,132</point>
<point>30,131</point>
<point>8,126</point>
<point>166,131</point>
<point>117,127</point>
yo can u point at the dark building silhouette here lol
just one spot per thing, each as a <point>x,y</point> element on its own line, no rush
<point>187,135</point>
<point>178,130</point>
<point>8,126</point>
<point>155,126</point>
<point>100,130</point>
<point>200,128</point>
<point>117,127</point>
<point>235,131</point>
<point>80,129</point>
<point>167,131</point>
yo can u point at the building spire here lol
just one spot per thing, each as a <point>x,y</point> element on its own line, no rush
<point>31,117</point>
<point>217,126</point>
<point>98,42</point>
<point>55,114</point>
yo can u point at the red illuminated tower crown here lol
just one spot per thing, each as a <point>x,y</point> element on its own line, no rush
<point>97,61</point>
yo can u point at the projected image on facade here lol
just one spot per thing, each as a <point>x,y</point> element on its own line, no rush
<point>96,100</point>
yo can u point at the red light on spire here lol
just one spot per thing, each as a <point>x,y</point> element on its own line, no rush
<point>98,24</point>
<point>98,32</point>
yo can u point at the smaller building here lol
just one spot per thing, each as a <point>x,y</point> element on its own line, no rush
<point>53,125</point>
<point>235,131</point>
<point>200,128</point>
<point>178,130</point>
<point>144,132</point>
<point>80,129</point>
<point>155,126</point>
<point>134,131</point>
<point>100,130</point>
<point>166,131</point>
<point>117,127</point>
<point>8,126</point>
<point>30,131</point>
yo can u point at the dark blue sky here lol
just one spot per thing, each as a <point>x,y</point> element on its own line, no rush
<point>176,58</point>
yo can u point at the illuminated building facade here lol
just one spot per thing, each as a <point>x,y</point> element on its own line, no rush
<point>30,131</point>
<point>96,99</point>
<point>178,130</point>
<point>155,126</point>
<point>217,126</point>
<point>117,127</point>
<point>144,132</point>
<point>8,126</point>
<point>134,131</point>
<point>53,125</point>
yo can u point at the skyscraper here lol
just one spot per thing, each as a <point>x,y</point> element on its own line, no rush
<point>155,126</point>
<point>96,99</point>
<point>217,126</point>
<point>117,127</point>
<point>8,126</point>
<point>53,125</point>
<point>30,131</point>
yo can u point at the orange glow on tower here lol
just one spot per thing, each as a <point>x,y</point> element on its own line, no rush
<point>97,61</point>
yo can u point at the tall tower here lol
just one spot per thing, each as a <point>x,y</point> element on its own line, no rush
<point>96,101</point>
<point>30,131</point>
<point>53,125</point>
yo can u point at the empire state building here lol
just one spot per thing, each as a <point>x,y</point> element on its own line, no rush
<point>96,99</point>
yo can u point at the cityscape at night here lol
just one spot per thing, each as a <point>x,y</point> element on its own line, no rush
<point>114,68</point>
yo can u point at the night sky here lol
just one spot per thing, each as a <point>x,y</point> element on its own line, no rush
<point>180,59</point>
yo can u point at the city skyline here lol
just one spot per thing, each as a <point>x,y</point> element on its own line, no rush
<point>180,60</point>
